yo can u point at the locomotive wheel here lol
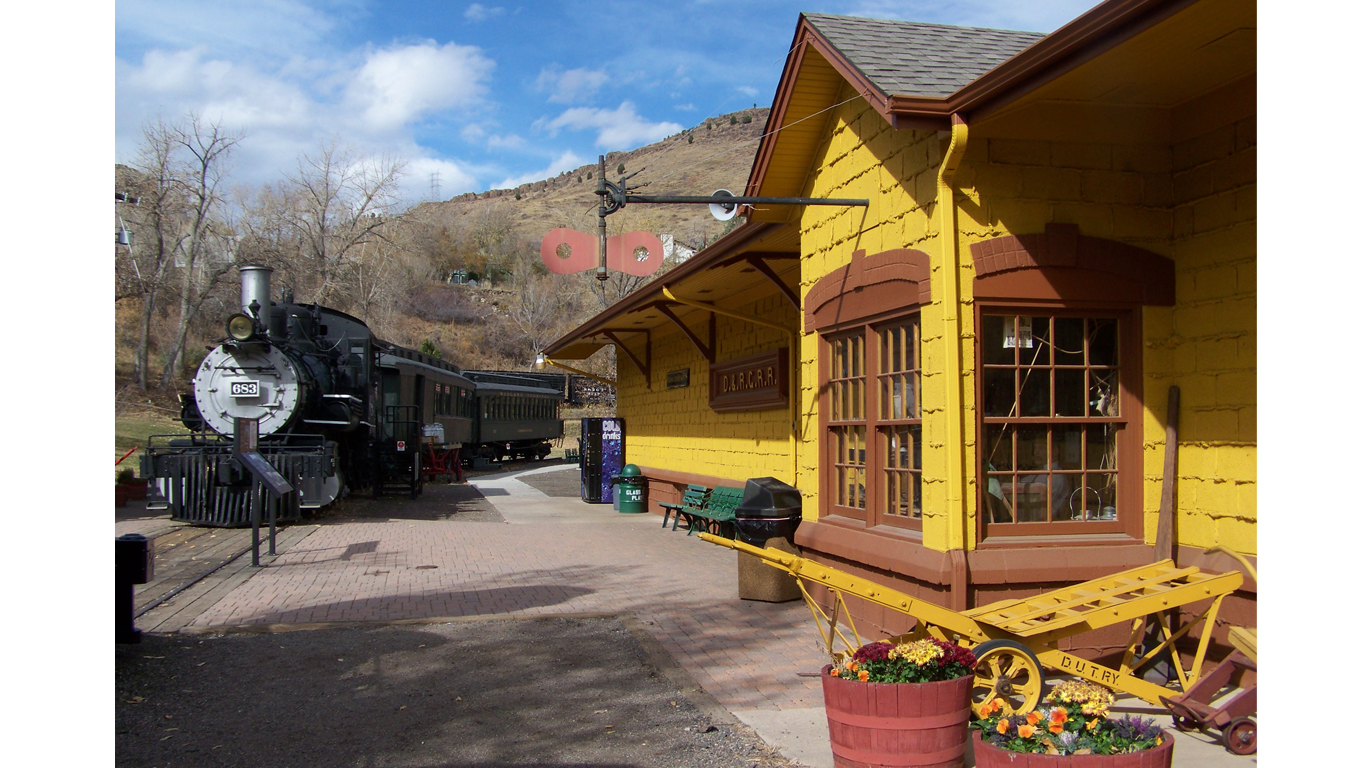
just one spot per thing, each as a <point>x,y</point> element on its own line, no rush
<point>1240,736</point>
<point>1010,672</point>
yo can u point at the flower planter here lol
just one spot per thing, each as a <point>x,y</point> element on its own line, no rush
<point>990,756</point>
<point>897,724</point>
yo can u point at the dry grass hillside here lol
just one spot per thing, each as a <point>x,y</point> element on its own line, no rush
<point>718,157</point>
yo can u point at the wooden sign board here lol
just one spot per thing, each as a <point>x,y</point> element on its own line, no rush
<point>753,383</point>
<point>678,379</point>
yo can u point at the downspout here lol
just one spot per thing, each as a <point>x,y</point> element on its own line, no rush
<point>794,360</point>
<point>950,291</point>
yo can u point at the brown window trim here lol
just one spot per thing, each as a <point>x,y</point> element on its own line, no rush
<point>895,280</point>
<point>869,515</point>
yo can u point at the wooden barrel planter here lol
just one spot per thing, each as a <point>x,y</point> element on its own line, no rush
<point>990,756</point>
<point>897,724</point>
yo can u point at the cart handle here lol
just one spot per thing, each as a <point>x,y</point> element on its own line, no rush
<point>126,455</point>
<point>1241,560</point>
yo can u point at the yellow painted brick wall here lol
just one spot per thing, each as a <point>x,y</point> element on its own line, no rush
<point>676,429</point>
<point>1192,202</point>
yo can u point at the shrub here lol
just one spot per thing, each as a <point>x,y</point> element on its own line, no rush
<point>746,119</point>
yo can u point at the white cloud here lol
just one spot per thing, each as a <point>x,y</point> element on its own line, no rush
<point>684,107</point>
<point>476,12</point>
<point>569,87</point>
<point>620,128</point>
<point>398,85</point>
<point>565,162</point>
<point>512,141</point>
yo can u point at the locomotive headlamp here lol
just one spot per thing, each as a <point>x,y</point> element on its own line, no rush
<point>241,327</point>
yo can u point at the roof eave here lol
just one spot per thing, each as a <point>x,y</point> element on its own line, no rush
<point>1080,40</point>
<point>642,298</point>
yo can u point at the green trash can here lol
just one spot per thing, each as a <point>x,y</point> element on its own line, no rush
<point>631,490</point>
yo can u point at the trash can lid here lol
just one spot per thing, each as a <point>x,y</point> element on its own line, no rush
<point>769,497</point>
<point>630,470</point>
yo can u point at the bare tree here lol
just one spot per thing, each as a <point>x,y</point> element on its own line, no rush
<point>340,203</point>
<point>206,250</point>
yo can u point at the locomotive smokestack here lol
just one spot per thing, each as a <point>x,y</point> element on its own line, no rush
<point>256,289</point>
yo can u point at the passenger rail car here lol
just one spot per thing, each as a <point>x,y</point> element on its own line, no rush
<point>515,421</point>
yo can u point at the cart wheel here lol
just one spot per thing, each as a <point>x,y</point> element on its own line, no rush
<point>1008,671</point>
<point>1240,736</point>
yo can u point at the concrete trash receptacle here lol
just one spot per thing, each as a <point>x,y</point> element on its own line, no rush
<point>765,583</point>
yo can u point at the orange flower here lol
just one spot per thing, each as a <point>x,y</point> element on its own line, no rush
<point>1026,731</point>
<point>1055,728</point>
<point>834,672</point>
<point>863,675</point>
<point>1003,726</point>
<point>1091,726</point>
<point>1058,716</point>
<point>988,708</point>
<point>1033,717</point>
<point>849,664</point>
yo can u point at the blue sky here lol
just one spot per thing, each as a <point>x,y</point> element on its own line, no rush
<point>488,94</point>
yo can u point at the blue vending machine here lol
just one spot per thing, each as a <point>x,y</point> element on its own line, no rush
<point>603,455</point>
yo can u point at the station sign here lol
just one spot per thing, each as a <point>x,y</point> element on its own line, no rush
<point>752,383</point>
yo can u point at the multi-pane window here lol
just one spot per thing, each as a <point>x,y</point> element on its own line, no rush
<point>872,384</point>
<point>898,428</point>
<point>1051,418</point>
<point>848,420</point>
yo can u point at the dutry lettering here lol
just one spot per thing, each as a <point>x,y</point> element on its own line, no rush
<point>1085,668</point>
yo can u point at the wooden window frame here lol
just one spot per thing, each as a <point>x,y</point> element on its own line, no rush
<point>869,330</point>
<point>1129,440</point>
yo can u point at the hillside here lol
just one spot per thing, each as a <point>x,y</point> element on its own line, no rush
<point>717,158</point>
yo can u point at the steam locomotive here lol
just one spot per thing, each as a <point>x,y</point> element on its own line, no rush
<point>338,409</point>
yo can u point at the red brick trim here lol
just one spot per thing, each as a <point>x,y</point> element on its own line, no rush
<point>1120,271</point>
<point>868,286</point>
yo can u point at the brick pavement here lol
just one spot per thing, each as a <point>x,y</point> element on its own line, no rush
<point>554,556</point>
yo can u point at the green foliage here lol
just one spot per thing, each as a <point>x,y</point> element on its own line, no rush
<point>690,138</point>
<point>709,125</point>
<point>922,661</point>
<point>746,119</point>
<point>621,167</point>
<point>733,121</point>
<point>429,347</point>
<point>518,195</point>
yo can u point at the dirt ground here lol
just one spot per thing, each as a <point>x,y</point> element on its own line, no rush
<point>550,692</point>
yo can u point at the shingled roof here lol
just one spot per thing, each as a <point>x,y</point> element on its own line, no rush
<point>914,59</point>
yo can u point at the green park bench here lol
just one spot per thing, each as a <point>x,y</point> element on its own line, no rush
<point>693,499</point>
<point>717,513</point>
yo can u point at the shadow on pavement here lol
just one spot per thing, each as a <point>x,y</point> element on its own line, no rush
<point>542,692</point>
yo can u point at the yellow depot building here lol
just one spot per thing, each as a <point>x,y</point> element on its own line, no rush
<point>969,378</point>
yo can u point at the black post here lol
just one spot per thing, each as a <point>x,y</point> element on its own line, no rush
<point>255,523</point>
<point>272,525</point>
<point>132,565</point>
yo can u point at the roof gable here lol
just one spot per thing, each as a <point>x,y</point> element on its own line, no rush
<point>914,59</point>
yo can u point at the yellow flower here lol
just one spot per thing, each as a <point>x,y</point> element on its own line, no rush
<point>1091,724</point>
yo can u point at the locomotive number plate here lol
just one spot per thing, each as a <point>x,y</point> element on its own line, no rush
<point>246,389</point>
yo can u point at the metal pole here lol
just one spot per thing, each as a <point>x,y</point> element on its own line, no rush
<point>745,200</point>
<point>277,503</point>
<point>602,218</point>
<point>255,523</point>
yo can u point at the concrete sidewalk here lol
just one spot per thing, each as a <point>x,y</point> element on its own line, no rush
<point>559,556</point>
